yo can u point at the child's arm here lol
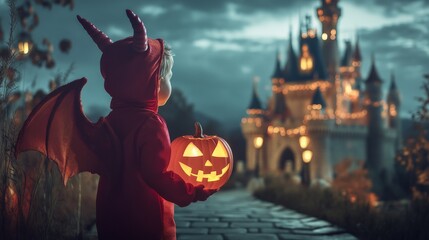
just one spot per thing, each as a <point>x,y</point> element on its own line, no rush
<point>153,150</point>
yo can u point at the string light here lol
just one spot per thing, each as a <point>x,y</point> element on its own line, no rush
<point>323,85</point>
<point>301,130</point>
<point>254,111</point>
<point>355,115</point>
<point>250,120</point>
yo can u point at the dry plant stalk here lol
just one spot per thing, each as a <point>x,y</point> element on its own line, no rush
<point>33,202</point>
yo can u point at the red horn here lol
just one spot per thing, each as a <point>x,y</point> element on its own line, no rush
<point>101,39</point>
<point>140,36</point>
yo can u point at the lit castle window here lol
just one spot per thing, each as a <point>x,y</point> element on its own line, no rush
<point>324,36</point>
<point>306,60</point>
<point>333,34</point>
<point>392,110</point>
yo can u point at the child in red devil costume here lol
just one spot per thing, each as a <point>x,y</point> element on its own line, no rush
<point>129,149</point>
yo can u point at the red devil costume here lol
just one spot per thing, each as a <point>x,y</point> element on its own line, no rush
<point>129,149</point>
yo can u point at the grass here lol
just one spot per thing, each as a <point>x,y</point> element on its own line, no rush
<point>34,204</point>
<point>359,219</point>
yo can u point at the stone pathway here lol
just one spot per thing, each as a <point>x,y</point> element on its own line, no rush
<point>236,215</point>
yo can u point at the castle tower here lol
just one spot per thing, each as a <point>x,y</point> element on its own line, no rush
<point>278,73</point>
<point>255,106</point>
<point>318,129</point>
<point>310,60</point>
<point>279,109</point>
<point>394,104</point>
<point>356,63</point>
<point>346,61</point>
<point>328,14</point>
<point>252,126</point>
<point>374,105</point>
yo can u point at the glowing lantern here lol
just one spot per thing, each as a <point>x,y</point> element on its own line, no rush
<point>24,44</point>
<point>304,141</point>
<point>258,142</point>
<point>324,36</point>
<point>307,155</point>
<point>201,159</point>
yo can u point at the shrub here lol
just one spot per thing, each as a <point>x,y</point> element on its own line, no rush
<point>359,219</point>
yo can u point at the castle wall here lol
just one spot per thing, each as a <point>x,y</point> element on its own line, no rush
<point>333,143</point>
<point>348,142</point>
<point>389,152</point>
<point>276,146</point>
<point>298,103</point>
<point>299,100</point>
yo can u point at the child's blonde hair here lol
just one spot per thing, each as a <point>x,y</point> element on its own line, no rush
<point>167,61</point>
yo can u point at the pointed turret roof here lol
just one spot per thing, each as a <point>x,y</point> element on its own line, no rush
<point>356,54</point>
<point>291,68</point>
<point>373,76</point>
<point>255,103</point>
<point>393,95</point>
<point>347,58</point>
<point>318,98</point>
<point>392,83</point>
<point>278,69</point>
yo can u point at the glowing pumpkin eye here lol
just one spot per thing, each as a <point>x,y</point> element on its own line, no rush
<point>220,150</point>
<point>192,151</point>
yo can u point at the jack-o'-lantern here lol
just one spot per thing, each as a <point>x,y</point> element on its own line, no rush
<point>201,159</point>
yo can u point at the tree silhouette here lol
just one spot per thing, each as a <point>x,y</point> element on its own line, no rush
<point>179,115</point>
<point>414,157</point>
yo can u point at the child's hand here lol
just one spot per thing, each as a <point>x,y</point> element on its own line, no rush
<point>202,194</point>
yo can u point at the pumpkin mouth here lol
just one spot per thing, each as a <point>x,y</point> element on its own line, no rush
<point>211,177</point>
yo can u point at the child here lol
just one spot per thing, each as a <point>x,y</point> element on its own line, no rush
<point>131,68</point>
<point>135,197</point>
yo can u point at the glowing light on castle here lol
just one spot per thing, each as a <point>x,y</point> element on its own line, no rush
<point>306,61</point>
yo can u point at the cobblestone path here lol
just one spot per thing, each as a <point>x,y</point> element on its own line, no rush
<point>236,215</point>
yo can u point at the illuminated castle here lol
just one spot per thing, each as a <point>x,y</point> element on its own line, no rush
<point>323,96</point>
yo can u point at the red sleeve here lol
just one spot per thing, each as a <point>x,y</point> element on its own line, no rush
<point>154,156</point>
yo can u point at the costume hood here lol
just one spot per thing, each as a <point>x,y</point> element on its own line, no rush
<point>131,66</point>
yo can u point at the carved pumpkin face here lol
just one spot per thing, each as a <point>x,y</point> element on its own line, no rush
<point>201,160</point>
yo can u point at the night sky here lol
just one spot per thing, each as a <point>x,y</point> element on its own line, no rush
<point>220,45</point>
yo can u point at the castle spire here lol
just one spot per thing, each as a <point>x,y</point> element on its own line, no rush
<point>356,54</point>
<point>255,103</point>
<point>328,14</point>
<point>291,68</point>
<point>373,76</point>
<point>394,108</point>
<point>392,83</point>
<point>347,58</point>
<point>318,99</point>
<point>278,69</point>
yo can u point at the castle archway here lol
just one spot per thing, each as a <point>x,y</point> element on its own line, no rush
<point>287,161</point>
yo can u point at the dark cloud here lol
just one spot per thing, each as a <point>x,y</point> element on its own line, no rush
<point>404,50</point>
<point>253,6</point>
<point>216,76</point>
<point>393,7</point>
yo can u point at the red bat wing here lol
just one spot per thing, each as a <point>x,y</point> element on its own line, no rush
<point>58,128</point>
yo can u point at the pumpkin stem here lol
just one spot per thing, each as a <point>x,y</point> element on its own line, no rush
<point>198,130</point>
